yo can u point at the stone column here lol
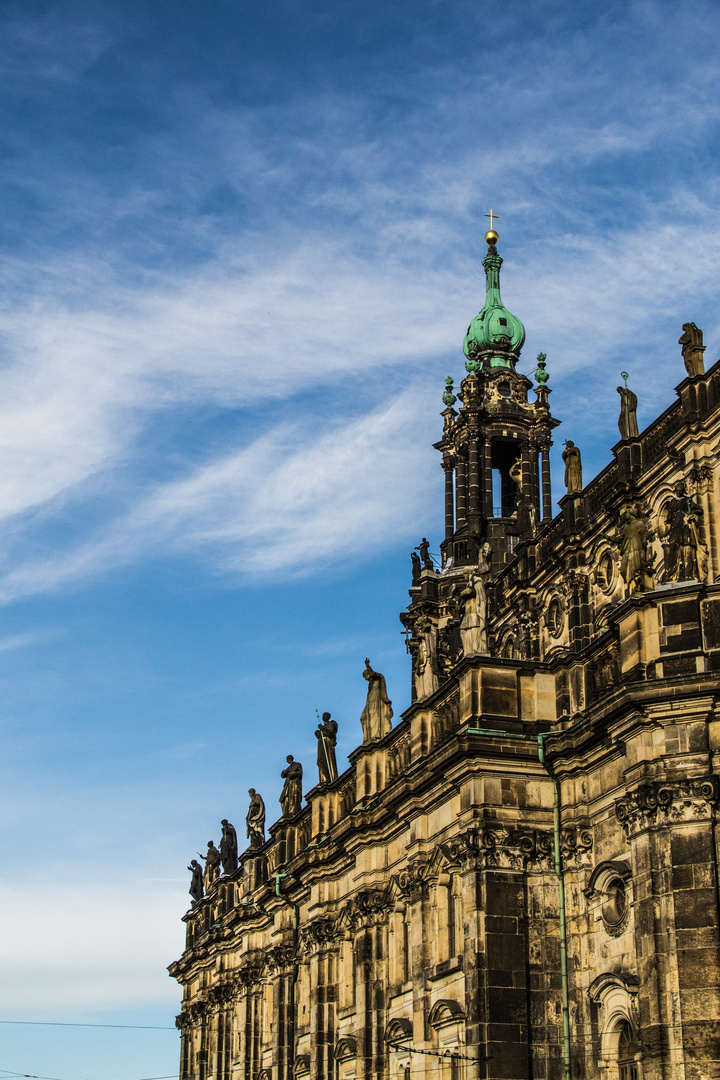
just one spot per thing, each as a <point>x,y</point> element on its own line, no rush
<point>546,494</point>
<point>461,491</point>
<point>449,500</point>
<point>323,1008</point>
<point>487,479</point>
<point>473,476</point>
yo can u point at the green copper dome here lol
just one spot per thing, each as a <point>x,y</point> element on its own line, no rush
<point>495,335</point>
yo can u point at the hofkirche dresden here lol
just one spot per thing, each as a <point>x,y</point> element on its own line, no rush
<point>519,879</point>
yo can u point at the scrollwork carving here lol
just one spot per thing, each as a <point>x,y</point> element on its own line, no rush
<point>682,800</point>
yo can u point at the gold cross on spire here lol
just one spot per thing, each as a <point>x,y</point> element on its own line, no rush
<point>491,215</point>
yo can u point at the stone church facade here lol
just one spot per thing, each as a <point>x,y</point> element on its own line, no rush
<point>520,878</point>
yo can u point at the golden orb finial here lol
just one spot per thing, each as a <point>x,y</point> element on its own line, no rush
<point>491,237</point>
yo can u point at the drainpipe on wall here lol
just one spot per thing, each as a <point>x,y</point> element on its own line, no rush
<point>291,1003</point>
<point>561,904</point>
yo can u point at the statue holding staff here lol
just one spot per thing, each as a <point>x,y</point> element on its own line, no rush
<point>326,735</point>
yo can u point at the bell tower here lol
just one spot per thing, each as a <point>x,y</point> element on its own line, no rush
<point>496,446</point>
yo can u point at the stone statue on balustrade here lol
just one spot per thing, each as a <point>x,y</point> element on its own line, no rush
<point>416,567</point>
<point>691,340</point>
<point>426,667</point>
<point>212,866</point>
<point>627,421</point>
<point>377,714</point>
<point>326,735</point>
<point>573,468</point>
<point>473,611</point>
<point>424,549</point>
<point>255,820</point>
<point>291,794</point>
<point>636,556</point>
<point>196,882</point>
<point>228,848</point>
<point>686,554</point>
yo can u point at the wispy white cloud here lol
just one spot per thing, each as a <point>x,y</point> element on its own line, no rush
<point>288,501</point>
<point>88,944</point>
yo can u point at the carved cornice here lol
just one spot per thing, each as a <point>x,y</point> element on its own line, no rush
<point>500,848</point>
<point>319,934</point>
<point>667,802</point>
<point>220,994</point>
<point>280,958</point>
<point>414,881</point>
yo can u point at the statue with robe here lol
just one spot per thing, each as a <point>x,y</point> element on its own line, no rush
<point>228,848</point>
<point>212,866</point>
<point>627,421</point>
<point>255,820</point>
<point>636,559</point>
<point>196,882</point>
<point>416,567</point>
<point>691,340</point>
<point>424,549</point>
<point>573,468</point>
<point>377,714</point>
<point>473,611</point>
<point>291,794</point>
<point>326,735</point>
<point>686,554</point>
<point>426,660</point>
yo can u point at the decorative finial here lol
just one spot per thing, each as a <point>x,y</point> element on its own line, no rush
<point>541,374</point>
<point>624,375</point>
<point>491,237</point>
<point>448,397</point>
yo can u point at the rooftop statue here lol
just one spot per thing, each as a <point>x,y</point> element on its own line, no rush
<point>424,549</point>
<point>525,516</point>
<point>255,820</point>
<point>473,609</point>
<point>212,866</point>
<point>228,848</point>
<point>636,559</point>
<point>326,735</point>
<point>416,567</point>
<point>573,468</point>
<point>627,422</point>
<point>377,714</point>
<point>196,883</point>
<point>686,554</point>
<point>691,340</point>
<point>291,795</point>
<point>426,660</point>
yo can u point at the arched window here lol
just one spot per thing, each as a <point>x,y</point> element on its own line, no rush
<point>627,1053</point>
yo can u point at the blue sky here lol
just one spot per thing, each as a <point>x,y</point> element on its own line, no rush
<point>240,244</point>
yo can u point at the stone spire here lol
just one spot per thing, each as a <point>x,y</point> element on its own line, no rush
<point>495,336</point>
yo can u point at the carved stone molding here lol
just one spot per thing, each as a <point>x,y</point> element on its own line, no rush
<point>319,934</point>
<point>399,756</point>
<point>446,718</point>
<point>414,881</point>
<point>509,849</point>
<point>667,802</point>
<point>576,844</point>
<point>220,994</point>
<point>366,908</point>
<point>279,957</point>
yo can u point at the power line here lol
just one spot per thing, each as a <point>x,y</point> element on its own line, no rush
<point>8,1074</point>
<point>60,1023</point>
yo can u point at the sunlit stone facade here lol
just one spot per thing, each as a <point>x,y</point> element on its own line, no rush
<point>520,880</point>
